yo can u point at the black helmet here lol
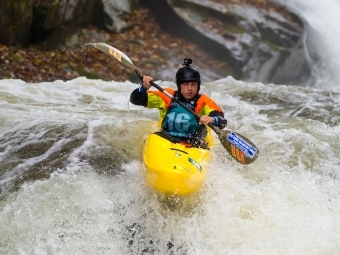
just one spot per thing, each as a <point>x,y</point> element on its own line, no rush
<point>187,73</point>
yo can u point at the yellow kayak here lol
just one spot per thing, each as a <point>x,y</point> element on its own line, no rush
<point>174,168</point>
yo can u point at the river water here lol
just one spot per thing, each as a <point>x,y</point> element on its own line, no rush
<point>71,176</point>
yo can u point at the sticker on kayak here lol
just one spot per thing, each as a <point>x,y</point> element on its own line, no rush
<point>249,150</point>
<point>195,164</point>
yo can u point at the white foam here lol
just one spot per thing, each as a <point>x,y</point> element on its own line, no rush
<point>286,202</point>
<point>323,18</point>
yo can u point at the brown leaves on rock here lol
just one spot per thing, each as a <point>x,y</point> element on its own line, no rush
<point>29,65</point>
<point>148,46</point>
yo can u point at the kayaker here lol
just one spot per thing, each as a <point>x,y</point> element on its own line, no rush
<point>177,121</point>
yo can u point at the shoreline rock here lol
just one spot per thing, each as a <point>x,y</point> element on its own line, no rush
<point>231,38</point>
<point>154,51</point>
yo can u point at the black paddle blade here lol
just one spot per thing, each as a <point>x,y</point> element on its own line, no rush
<point>238,146</point>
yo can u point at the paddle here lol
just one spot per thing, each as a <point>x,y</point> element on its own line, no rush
<point>238,146</point>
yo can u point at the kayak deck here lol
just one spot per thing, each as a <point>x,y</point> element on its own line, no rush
<point>173,168</point>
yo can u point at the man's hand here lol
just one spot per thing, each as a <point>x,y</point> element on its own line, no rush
<point>146,82</point>
<point>206,120</point>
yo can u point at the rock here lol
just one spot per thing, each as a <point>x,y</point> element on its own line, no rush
<point>117,12</point>
<point>258,40</point>
<point>15,21</point>
<point>47,23</point>
<point>55,20</point>
<point>260,44</point>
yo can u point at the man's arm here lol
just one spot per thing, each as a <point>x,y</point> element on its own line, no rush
<point>139,97</point>
<point>220,121</point>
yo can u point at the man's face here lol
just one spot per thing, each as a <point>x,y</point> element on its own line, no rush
<point>189,89</point>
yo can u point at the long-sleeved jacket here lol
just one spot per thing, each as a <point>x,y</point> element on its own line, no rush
<point>201,104</point>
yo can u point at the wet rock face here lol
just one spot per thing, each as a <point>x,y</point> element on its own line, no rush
<point>260,41</point>
<point>28,22</point>
<point>49,22</point>
<point>117,13</point>
<point>260,44</point>
<point>15,21</point>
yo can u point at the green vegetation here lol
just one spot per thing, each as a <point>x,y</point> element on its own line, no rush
<point>16,57</point>
<point>234,28</point>
<point>271,45</point>
<point>89,75</point>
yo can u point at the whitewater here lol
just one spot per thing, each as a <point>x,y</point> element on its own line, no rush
<point>71,178</point>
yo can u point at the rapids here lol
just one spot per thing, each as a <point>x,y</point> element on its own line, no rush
<point>72,183</point>
<point>71,177</point>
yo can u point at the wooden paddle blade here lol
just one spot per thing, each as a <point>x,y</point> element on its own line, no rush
<point>114,53</point>
<point>238,146</point>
